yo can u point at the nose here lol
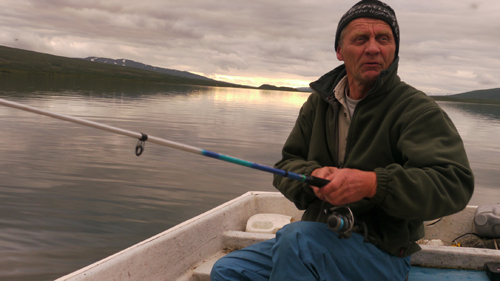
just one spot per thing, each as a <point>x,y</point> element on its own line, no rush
<point>372,47</point>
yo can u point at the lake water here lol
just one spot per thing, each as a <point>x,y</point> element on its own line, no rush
<point>71,195</point>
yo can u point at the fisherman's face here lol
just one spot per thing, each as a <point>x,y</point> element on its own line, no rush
<point>367,47</point>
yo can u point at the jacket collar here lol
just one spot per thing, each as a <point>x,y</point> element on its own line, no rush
<point>327,83</point>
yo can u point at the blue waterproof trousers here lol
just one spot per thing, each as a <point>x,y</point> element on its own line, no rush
<point>311,251</point>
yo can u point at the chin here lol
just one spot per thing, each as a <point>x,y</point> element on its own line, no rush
<point>371,77</point>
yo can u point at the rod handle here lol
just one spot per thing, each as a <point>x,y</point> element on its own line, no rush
<point>318,182</point>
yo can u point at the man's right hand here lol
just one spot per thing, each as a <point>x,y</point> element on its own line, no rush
<point>346,185</point>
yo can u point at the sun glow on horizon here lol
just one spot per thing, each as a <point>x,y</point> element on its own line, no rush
<point>258,81</point>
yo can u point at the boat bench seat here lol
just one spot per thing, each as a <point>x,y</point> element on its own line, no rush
<point>231,240</point>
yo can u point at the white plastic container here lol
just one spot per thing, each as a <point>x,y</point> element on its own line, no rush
<point>267,223</point>
<point>487,221</point>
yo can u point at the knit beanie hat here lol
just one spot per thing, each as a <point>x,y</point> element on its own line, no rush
<point>370,9</point>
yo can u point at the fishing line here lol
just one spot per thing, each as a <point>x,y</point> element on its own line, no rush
<point>315,181</point>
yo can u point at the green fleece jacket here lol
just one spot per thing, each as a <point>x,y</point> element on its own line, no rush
<point>399,133</point>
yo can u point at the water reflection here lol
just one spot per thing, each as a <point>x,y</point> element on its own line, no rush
<point>479,126</point>
<point>488,111</point>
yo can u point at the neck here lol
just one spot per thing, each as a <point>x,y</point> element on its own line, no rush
<point>358,91</point>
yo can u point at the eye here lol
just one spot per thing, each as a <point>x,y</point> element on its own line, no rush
<point>384,39</point>
<point>359,39</point>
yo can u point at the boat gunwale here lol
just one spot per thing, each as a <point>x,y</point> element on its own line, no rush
<point>231,215</point>
<point>175,253</point>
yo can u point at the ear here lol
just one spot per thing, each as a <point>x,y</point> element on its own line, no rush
<point>339,54</point>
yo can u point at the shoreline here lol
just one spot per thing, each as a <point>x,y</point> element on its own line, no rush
<point>479,101</point>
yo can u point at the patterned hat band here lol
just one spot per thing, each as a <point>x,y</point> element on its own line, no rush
<point>370,9</point>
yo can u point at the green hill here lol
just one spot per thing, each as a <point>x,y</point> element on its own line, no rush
<point>17,61</point>
<point>275,88</point>
<point>489,94</point>
<point>477,96</point>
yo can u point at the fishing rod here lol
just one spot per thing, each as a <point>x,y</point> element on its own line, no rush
<point>315,181</point>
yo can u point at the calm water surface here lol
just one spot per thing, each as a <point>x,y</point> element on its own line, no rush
<point>71,195</point>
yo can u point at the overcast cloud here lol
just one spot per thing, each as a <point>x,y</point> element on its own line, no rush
<point>446,46</point>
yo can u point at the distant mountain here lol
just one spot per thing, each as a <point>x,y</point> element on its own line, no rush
<point>489,94</point>
<point>304,89</point>
<point>18,61</point>
<point>478,96</point>
<point>138,65</point>
<point>275,88</point>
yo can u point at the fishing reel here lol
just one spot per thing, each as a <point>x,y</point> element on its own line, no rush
<point>341,220</point>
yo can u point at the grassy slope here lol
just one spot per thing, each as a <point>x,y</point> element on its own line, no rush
<point>486,101</point>
<point>490,96</point>
<point>27,62</point>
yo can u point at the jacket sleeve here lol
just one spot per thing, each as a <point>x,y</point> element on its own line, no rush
<point>295,158</point>
<point>434,179</point>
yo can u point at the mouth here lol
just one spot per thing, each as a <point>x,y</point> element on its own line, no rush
<point>372,64</point>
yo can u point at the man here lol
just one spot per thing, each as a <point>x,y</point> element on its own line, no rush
<point>392,156</point>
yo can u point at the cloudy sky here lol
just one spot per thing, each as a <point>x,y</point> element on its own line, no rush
<point>447,46</point>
